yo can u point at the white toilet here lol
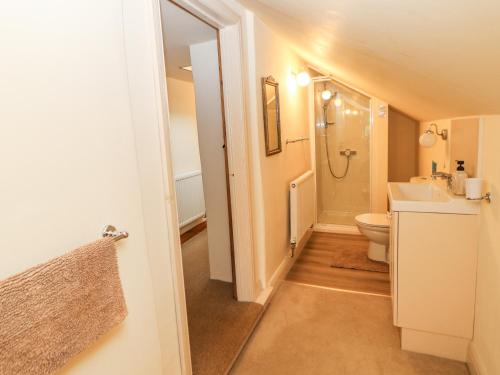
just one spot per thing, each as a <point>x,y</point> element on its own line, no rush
<point>376,228</point>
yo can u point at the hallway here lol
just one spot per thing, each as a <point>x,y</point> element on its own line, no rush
<point>218,324</point>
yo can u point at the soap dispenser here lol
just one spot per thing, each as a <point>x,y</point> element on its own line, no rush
<point>458,179</point>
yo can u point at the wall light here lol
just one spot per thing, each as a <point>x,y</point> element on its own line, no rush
<point>303,78</point>
<point>337,101</point>
<point>326,95</point>
<point>429,138</point>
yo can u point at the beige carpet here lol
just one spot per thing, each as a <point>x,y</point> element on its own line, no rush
<point>308,330</point>
<point>218,324</point>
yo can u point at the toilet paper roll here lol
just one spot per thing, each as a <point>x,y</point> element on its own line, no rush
<point>473,188</point>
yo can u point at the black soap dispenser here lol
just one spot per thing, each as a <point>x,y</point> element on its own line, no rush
<point>458,179</point>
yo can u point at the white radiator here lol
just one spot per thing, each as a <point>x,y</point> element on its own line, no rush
<point>301,207</point>
<point>190,199</point>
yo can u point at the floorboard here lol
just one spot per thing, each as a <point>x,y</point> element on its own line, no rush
<point>314,266</point>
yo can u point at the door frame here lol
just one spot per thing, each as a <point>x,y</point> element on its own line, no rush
<point>224,142</point>
<point>151,126</point>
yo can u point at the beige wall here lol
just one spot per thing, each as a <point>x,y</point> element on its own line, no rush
<point>273,57</point>
<point>440,152</point>
<point>486,344</point>
<point>403,146</point>
<point>462,144</point>
<point>379,155</point>
<point>183,131</point>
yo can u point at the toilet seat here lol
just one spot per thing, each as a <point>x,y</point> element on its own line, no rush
<point>373,220</point>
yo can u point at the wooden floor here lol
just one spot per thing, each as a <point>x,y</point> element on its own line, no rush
<point>313,267</point>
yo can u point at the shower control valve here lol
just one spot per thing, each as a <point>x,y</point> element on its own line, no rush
<point>348,152</point>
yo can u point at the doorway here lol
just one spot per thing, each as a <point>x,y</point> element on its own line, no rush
<point>218,324</point>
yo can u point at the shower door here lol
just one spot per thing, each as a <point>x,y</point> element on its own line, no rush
<point>342,153</point>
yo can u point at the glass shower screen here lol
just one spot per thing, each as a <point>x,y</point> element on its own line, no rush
<point>342,131</point>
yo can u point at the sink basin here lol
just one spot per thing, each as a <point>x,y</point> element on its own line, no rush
<point>419,192</point>
<point>428,197</point>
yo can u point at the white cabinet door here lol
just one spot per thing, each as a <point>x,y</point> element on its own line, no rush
<point>436,272</point>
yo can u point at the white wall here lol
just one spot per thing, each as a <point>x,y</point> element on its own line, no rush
<point>273,57</point>
<point>185,153</point>
<point>68,161</point>
<point>486,345</point>
<point>205,62</point>
<point>183,130</point>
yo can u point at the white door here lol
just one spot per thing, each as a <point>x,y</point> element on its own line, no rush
<point>68,163</point>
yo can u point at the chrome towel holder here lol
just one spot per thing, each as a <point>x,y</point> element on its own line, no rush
<point>294,140</point>
<point>110,231</point>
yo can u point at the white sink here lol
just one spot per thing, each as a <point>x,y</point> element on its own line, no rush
<point>428,197</point>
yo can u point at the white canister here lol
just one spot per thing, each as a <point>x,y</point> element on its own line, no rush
<point>473,188</point>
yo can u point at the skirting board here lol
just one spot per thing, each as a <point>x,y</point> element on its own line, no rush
<point>474,362</point>
<point>339,229</point>
<point>443,346</point>
<point>192,224</point>
<point>282,270</point>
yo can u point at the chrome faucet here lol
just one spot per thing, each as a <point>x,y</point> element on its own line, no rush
<point>443,175</point>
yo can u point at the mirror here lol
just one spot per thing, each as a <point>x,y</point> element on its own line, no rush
<point>272,126</point>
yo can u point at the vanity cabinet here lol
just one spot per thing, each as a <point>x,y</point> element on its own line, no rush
<point>433,260</point>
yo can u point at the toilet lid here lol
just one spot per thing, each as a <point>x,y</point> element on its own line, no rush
<point>373,220</point>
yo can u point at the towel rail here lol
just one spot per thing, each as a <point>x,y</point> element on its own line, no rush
<point>294,140</point>
<point>110,231</point>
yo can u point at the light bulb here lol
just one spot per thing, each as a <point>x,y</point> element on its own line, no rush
<point>428,139</point>
<point>326,95</point>
<point>303,78</point>
<point>337,102</point>
<point>355,112</point>
<point>347,111</point>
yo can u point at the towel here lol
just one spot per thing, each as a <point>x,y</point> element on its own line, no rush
<point>55,310</point>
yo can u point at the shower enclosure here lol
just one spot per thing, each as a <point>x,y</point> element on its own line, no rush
<point>342,148</point>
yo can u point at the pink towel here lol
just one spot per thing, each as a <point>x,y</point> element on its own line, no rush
<point>55,310</point>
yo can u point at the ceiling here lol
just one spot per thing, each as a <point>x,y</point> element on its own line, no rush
<point>430,59</point>
<point>181,30</point>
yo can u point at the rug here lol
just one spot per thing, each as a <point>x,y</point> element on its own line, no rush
<point>357,259</point>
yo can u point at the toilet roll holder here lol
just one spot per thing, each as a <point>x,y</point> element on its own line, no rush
<point>486,197</point>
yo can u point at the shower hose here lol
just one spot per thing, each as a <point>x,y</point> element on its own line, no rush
<point>348,156</point>
<point>329,163</point>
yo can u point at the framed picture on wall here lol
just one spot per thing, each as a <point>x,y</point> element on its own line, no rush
<point>271,109</point>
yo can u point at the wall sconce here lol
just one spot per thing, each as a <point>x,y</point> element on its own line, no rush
<point>429,138</point>
<point>303,78</point>
<point>338,100</point>
<point>326,95</point>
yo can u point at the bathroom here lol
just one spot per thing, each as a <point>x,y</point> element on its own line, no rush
<point>341,124</point>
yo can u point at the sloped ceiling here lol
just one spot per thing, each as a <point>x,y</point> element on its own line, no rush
<point>181,30</point>
<point>429,58</point>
